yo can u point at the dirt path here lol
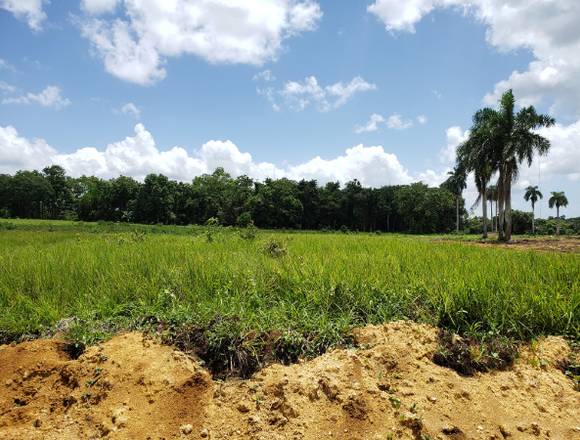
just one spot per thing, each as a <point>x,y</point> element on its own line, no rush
<point>388,388</point>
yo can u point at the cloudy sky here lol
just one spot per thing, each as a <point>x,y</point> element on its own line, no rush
<point>378,90</point>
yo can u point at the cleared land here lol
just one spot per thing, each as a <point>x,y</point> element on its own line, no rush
<point>231,302</point>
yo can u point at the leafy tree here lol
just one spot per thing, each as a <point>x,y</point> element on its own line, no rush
<point>558,199</point>
<point>32,194</point>
<point>532,195</point>
<point>455,184</point>
<point>61,192</point>
<point>156,199</point>
<point>275,204</point>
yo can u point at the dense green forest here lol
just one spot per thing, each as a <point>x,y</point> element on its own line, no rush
<point>280,203</point>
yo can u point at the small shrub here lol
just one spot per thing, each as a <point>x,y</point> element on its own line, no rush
<point>244,220</point>
<point>249,232</point>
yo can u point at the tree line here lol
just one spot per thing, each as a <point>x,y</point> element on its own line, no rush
<point>273,203</point>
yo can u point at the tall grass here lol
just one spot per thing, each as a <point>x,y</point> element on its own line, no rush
<point>324,285</point>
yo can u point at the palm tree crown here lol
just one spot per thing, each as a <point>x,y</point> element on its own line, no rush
<point>533,194</point>
<point>558,199</point>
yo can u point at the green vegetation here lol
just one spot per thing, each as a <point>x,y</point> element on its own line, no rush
<point>499,142</point>
<point>309,289</point>
<point>558,199</point>
<point>273,203</point>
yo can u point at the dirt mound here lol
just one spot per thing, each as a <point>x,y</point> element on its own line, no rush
<point>133,388</point>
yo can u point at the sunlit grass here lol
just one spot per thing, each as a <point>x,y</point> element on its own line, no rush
<point>325,284</point>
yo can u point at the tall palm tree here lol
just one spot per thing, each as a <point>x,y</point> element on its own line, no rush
<point>455,184</point>
<point>476,155</point>
<point>533,194</point>
<point>558,199</point>
<point>504,139</point>
<point>520,142</point>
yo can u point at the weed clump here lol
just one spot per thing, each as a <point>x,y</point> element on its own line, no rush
<point>571,365</point>
<point>275,249</point>
<point>467,355</point>
<point>249,232</point>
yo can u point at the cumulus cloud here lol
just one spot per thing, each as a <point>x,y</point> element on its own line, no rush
<point>549,29</point>
<point>50,97</point>
<point>97,7</point>
<point>131,110</point>
<point>455,136</point>
<point>27,10</point>
<point>563,158</point>
<point>372,125</point>
<point>138,155</point>
<point>18,153</point>
<point>422,119</point>
<point>135,48</point>
<point>298,95</point>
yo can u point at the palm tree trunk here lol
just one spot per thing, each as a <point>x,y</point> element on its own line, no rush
<point>484,209</point>
<point>491,213</point>
<point>557,220</point>
<point>496,216</point>
<point>508,209</point>
<point>500,199</point>
<point>457,213</point>
<point>533,220</point>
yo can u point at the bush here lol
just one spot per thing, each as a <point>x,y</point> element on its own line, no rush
<point>244,220</point>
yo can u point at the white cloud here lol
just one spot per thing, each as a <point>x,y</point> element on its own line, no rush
<point>422,119</point>
<point>130,109</point>
<point>27,10</point>
<point>299,95</point>
<point>49,97</point>
<point>264,75</point>
<point>97,7</point>
<point>394,122</point>
<point>455,136</point>
<point>563,158</point>
<point>139,155</point>
<point>6,88</point>
<point>237,31</point>
<point>372,166</point>
<point>549,29</point>
<point>5,65</point>
<point>397,122</point>
<point>371,125</point>
<point>18,153</point>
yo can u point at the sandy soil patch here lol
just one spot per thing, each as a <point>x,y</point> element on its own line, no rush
<point>388,388</point>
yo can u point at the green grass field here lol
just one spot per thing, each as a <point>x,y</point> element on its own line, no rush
<point>311,288</point>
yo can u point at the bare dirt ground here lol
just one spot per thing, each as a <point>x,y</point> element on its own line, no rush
<point>388,388</point>
<point>551,244</point>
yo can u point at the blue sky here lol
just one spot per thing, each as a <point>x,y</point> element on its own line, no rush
<point>423,72</point>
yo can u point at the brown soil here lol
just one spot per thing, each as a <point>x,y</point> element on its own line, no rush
<point>551,244</point>
<point>388,388</point>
